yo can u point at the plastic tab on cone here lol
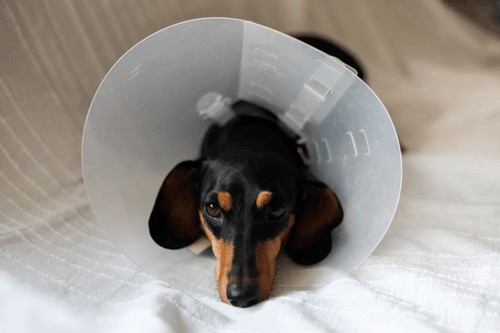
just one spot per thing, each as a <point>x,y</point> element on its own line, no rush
<point>155,104</point>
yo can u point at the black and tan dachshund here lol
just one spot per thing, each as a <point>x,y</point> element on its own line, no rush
<point>251,194</point>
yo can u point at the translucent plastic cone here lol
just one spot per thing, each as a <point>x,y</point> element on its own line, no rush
<point>154,106</point>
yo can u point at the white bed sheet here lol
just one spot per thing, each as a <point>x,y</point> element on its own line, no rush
<point>437,269</point>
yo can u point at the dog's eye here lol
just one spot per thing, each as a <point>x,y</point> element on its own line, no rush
<point>276,212</point>
<point>213,209</point>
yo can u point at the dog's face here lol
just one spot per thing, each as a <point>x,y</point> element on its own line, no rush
<point>247,210</point>
<point>248,206</point>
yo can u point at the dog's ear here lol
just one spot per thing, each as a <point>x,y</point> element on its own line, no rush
<point>318,212</point>
<point>174,221</point>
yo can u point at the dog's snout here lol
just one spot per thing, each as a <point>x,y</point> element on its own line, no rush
<point>243,295</point>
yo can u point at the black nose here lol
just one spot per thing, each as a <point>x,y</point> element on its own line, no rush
<point>243,295</point>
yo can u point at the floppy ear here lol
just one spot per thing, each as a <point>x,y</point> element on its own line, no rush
<point>317,213</point>
<point>174,221</point>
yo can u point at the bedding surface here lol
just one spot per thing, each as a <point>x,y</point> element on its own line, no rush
<point>437,268</point>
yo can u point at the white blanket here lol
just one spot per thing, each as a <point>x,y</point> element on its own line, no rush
<point>438,267</point>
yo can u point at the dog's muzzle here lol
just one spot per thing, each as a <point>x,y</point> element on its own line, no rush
<point>243,295</point>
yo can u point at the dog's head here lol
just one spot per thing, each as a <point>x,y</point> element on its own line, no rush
<point>248,206</point>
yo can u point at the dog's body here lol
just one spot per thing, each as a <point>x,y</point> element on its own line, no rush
<point>249,193</point>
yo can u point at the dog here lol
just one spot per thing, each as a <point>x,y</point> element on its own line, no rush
<point>251,194</point>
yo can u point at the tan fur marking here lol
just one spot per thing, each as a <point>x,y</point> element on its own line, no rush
<point>263,199</point>
<point>225,200</point>
<point>266,254</point>
<point>223,252</point>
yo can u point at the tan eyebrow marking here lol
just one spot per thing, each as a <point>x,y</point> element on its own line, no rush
<point>263,198</point>
<point>225,200</point>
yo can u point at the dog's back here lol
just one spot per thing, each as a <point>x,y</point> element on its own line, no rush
<point>253,129</point>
